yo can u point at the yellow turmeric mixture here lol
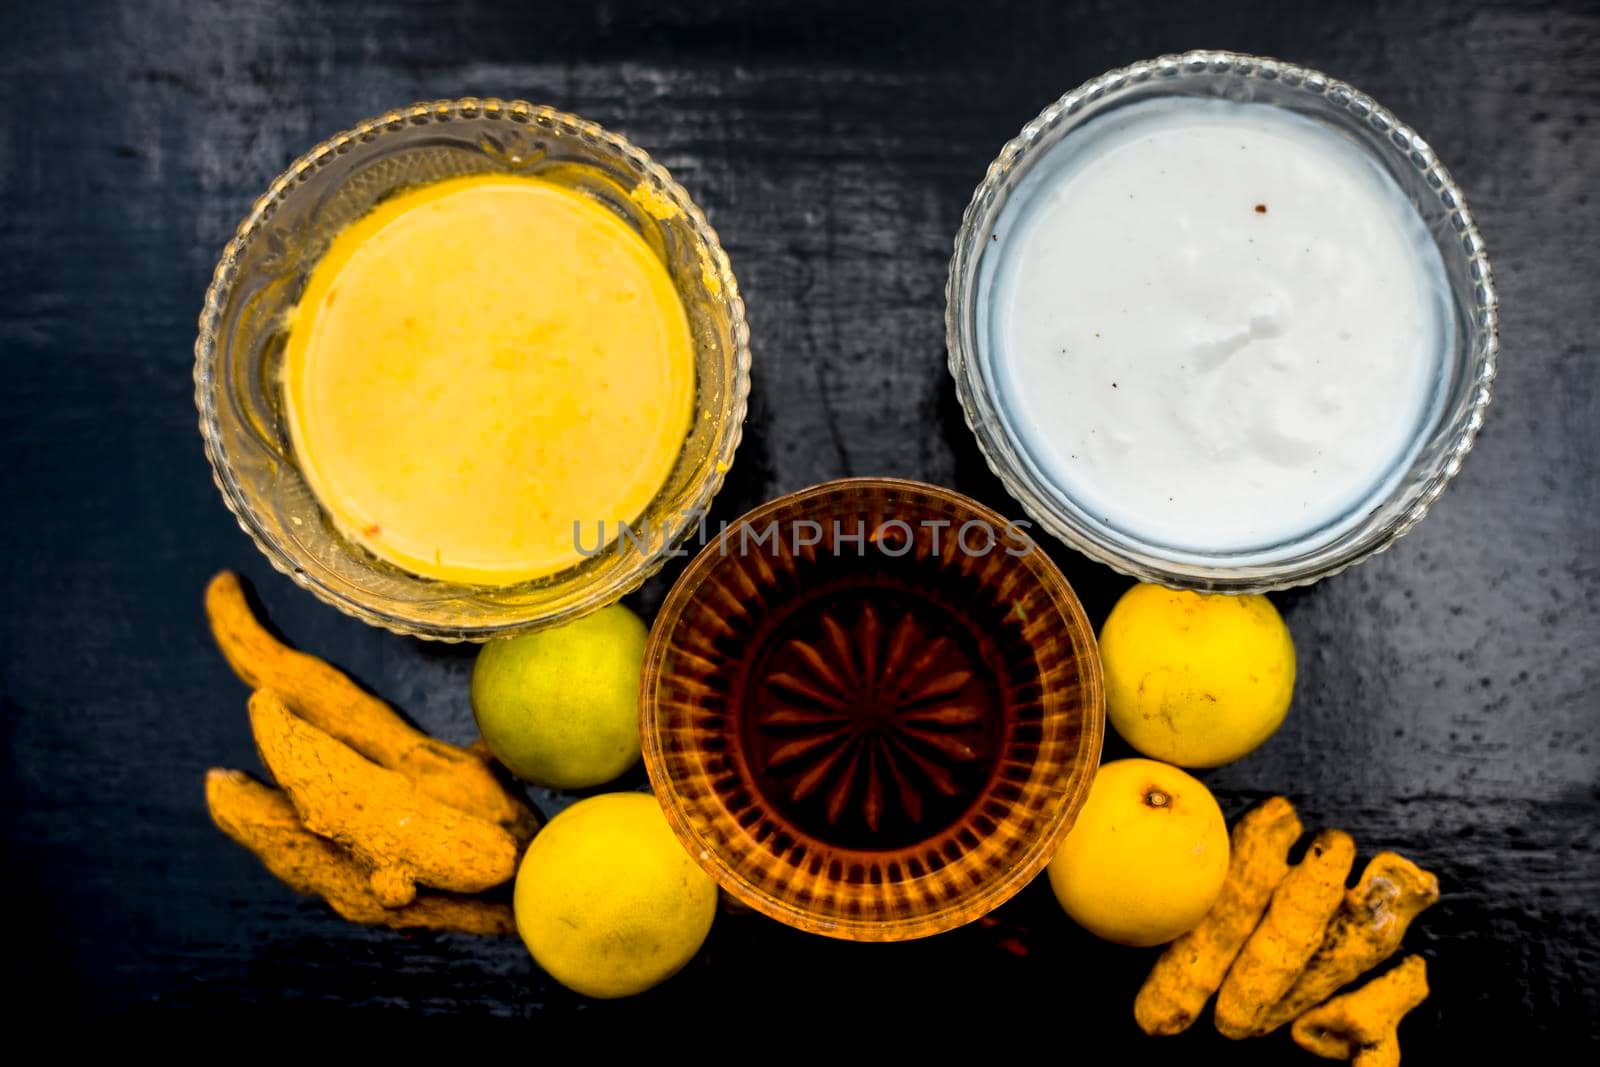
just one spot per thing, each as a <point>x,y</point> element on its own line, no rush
<point>479,364</point>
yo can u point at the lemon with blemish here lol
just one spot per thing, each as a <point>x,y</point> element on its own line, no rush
<point>1146,857</point>
<point>607,900</point>
<point>1196,679</point>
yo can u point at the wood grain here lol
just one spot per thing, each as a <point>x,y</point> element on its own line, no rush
<point>1449,697</point>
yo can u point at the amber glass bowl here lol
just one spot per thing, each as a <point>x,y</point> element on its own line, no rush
<point>872,709</point>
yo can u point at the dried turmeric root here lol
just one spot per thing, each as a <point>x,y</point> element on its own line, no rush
<point>329,700</point>
<point>402,835</point>
<point>1193,966</point>
<point>1366,931</point>
<point>1363,1026</point>
<point>264,821</point>
<point>1303,905</point>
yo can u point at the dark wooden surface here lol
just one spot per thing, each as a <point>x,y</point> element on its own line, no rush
<point>1449,696</point>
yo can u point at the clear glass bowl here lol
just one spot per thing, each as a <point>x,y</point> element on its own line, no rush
<point>1471,366</point>
<point>865,718</point>
<point>263,270</point>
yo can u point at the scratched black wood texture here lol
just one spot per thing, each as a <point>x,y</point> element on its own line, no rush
<point>1449,697</point>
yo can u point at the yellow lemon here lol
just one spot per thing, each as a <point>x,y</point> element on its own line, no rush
<point>608,901</point>
<point>1194,679</point>
<point>560,707</point>
<point>1147,856</point>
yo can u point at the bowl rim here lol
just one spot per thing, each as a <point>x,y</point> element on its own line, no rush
<point>1145,563</point>
<point>345,598</point>
<point>951,914</point>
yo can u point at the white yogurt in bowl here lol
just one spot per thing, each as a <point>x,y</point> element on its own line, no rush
<point>1221,322</point>
<point>1216,326</point>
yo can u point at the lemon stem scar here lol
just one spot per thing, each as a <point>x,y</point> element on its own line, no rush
<point>1155,798</point>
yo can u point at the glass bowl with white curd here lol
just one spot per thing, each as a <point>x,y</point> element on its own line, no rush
<point>1221,322</point>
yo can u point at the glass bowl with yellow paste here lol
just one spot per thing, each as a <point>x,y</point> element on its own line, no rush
<point>472,368</point>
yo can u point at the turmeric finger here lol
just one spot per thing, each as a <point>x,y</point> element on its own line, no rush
<point>264,821</point>
<point>1366,931</point>
<point>402,835</point>
<point>1303,905</point>
<point>1362,1026</point>
<point>329,700</point>
<point>1193,966</point>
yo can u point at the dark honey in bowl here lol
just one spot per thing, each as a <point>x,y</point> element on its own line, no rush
<point>875,699</point>
<point>872,709</point>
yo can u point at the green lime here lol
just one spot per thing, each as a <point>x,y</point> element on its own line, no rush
<point>560,707</point>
